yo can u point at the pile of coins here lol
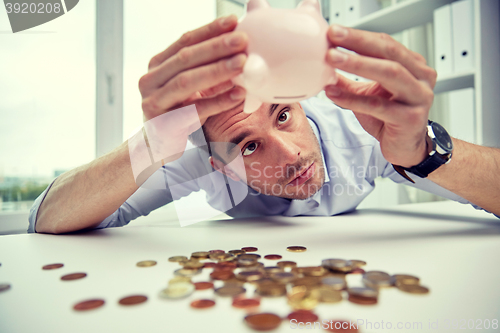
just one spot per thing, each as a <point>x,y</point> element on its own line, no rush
<point>240,272</point>
<point>236,273</point>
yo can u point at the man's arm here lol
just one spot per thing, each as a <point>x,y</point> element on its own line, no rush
<point>473,173</point>
<point>83,197</point>
<point>394,109</point>
<point>197,69</point>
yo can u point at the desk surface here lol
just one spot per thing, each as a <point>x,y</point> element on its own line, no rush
<point>451,247</point>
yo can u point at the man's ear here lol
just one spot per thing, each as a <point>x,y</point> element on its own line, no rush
<point>223,168</point>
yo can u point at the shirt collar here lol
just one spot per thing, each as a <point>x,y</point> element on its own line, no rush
<point>316,132</point>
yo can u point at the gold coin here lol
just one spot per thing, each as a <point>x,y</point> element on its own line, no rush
<point>146,263</point>
<point>283,277</point>
<point>308,281</point>
<point>310,270</point>
<point>301,298</point>
<point>177,290</point>
<point>237,252</point>
<point>338,265</point>
<point>405,279</point>
<point>329,295</point>
<point>193,264</point>
<point>413,288</point>
<point>358,263</point>
<point>226,257</point>
<point>296,248</point>
<point>334,282</point>
<point>177,258</point>
<point>179,278</point>
<point>217,255</point>
<point>363,292</point>
<point>285,264</point>
<point>187,272</point>
<point>272,269</point>
<point>270,289</point>
<point>377,279</point>
<point>250,275</point>
<point>200,255</point>
<point>231,290</point>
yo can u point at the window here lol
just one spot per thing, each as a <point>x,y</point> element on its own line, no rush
<point>47,103</point>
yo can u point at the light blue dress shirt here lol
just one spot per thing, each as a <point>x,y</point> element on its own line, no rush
<point>351,156</point>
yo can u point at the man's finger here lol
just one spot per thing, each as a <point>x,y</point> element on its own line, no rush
<point>181,87</point>
<point>196,55</point>
<point>391,75</point>
<point>218,89</point>
<point>213,29</point>
<point>208,107</point>
<point>375,106</point>
<point>383,46</point>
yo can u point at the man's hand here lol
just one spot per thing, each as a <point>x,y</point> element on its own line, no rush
<point>197,69</point>
<point>394,108</point>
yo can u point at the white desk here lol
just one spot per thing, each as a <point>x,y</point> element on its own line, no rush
<point>455,253</point>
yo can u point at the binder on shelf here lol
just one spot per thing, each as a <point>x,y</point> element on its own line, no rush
<point>337,12</point>
<point>443,41</point>
<point>462,13</point>
<point>356,9</point>
<point>462,114</point>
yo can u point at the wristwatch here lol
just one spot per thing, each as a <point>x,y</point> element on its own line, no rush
<point>442,147</point>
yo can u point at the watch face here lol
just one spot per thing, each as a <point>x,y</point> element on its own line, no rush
<point>443,139</point>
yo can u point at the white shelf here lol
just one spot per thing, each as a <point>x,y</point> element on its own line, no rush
<point>400,17</point>
<point>454,82</point>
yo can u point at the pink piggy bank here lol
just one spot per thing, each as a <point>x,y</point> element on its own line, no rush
<point>286,54</point>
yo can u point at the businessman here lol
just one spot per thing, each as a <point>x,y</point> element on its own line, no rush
<point>295,155</point>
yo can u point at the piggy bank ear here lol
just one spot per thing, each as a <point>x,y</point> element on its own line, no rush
<point>256,4</point>
<point>310,4</point>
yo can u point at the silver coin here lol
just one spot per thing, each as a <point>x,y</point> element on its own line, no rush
<point>363,292</point>
<point>177,290</point>
<point>334,282</point>
<point>187,272</point>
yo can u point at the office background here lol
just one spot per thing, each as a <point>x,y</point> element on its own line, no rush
<point>69,88</point>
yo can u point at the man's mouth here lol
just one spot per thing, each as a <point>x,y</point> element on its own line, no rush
<point>305,175</point>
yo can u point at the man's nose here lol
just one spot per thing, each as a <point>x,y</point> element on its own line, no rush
<point>287,152</point>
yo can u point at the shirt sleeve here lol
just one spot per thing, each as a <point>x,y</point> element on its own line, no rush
<point>388,171</point>
<point>154,193</point>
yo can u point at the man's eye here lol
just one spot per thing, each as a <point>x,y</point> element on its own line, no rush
<point>250,149</point>
<point>283,117</point>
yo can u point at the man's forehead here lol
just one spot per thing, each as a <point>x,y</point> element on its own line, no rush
<point>224,123</point>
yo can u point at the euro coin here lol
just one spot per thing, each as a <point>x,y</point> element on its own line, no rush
<point>187,272</point>
<point>270,289</point>
<point>146,263</point>
<point>253,256</point>
<point>286,264</point>
<point>273,257</point>
<point>200,255</point>
<point>302,298</point>
<point>88,305</point>
<point>334,282</point>
<point>358,263</point>
<point>283,277</point>
<point>202,303</point>
<point>296,249</point>
<point>237,252</point>
<point>303,316</point>
<point>4,287</point>
<point>222,275</point>
<point>177,290</point>
<point>133,300</point>
<point>413,288</point>
<point>73,276</point>
<point>363,292</point>
<point>377,279</point>
<point>263,321</point>
<point>230,291</point>
<point>177,258</point>
<point>52,266</point>
<point>246,303</point>
<point>249,275</point>
<point>250,249</point>
<point>405,279</point>
<point>329,295</point>
<point>203,285</point>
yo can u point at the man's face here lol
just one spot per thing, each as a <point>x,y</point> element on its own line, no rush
<point>281,154</point>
